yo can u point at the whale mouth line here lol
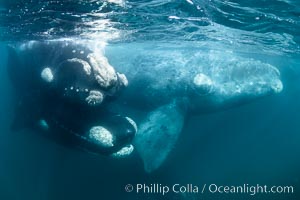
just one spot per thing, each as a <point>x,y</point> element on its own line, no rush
<point>83,141</point>
<point>94,141</point>
<point>69,130</point>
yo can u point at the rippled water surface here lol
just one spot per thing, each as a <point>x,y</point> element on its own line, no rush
<point>271,25</point>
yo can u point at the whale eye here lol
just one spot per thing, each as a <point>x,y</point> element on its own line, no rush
<point>129,131</point>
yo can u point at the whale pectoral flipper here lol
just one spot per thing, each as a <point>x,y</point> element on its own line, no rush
<point>158,134</point>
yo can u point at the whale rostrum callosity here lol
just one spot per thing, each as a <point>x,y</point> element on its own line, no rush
<point>71,83</point>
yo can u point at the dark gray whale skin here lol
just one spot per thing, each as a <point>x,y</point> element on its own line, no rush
<point>67,115</point>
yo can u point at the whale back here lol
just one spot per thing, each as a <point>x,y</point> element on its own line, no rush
<point>202,81</point>
<point>210,79</point>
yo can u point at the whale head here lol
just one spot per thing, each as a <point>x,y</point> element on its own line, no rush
<point>87,81</point>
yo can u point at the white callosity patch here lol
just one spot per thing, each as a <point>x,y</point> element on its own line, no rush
<point>95,98</point>
<point>104,73</point>
<point>203,84</point>
<point>86,67</point>
<point>123,79</point>
<point>132,123</point>
<point>277,86</point>
<point>102,136</point>
<point>125,151</point>
<point>47,75</point>
<point>72,88</point>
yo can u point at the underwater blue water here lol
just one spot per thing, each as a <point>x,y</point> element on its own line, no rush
<point>256,143</point>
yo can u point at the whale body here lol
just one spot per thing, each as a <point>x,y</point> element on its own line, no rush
<point>168,85</point>
<point>157,88</point>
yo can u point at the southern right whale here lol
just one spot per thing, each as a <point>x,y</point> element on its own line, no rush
<point>61,91</point>
<point>163,87</point>
<point>168,85</point>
